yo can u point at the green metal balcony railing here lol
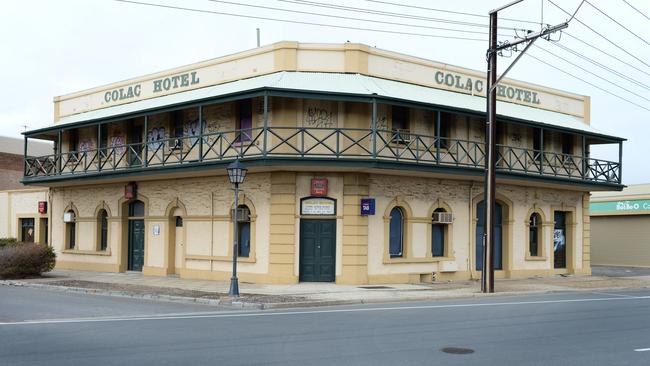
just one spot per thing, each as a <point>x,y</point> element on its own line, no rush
<point>329,144</point>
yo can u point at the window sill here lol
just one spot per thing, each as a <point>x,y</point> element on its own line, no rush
<point>417,260</point>
<point>87,252</point>
<point>536,258</point>
<point>250,259</point>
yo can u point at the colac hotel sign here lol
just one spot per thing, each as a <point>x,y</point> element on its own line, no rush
<point>620,207</point>
<point>471,85</point>
<point>166,84</point>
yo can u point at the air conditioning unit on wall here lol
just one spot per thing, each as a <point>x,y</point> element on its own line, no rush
<point>443,217</point>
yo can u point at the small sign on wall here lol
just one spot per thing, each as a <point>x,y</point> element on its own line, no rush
<point>319,187</point>
<point>318,206</point>
<point>367,206</point>
<point>42,207</point>
<point>156,230</point>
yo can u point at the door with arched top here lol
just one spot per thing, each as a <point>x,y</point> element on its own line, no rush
<point>498,235</point>
<point>136,236</point>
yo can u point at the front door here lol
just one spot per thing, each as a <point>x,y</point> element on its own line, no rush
<point>136,245</point>
<point>498,229</point>
<point>317,250</point>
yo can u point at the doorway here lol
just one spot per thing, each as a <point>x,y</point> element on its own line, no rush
<point>559,240</point>
<point>498,235</point>
<point>317,250</point>
<point>136,236</point>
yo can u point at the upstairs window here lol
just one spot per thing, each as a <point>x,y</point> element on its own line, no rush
<point>245,120</point>
<point>400,125</point>
<point>567,144</point>
<point>445,129</point>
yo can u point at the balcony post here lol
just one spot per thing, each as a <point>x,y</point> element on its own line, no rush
<point>541,151</point>
<point>620,162</point>
<point>146,143</point>
<point>59,150</point>
<point>438,114</point>
<point>25,157</point>
<point>201,133</point>
<point>98,146</point>
<point>266,123</point>
<point>584,158</point>
<point>373,126</point>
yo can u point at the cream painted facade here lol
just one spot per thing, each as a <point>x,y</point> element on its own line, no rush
<point>296,112</point>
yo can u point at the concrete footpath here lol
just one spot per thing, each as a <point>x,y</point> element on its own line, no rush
<point>259,296</point>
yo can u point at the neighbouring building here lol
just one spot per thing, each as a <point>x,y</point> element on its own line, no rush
<point>23,210</point>
<point>620,227</point>
<point>365,166</point>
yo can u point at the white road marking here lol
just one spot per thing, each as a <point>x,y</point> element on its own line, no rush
<point>641,349</point>
<point>307,312</point>
<point>610,294</point>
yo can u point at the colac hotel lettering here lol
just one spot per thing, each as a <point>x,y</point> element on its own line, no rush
<point>165,84</point>
<point>467,84</point>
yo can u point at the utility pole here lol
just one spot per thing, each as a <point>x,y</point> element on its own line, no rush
<point>487,269</point>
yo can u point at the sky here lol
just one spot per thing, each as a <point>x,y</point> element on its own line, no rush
<point>52,48</point>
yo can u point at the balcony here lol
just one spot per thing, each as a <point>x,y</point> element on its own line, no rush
<point>319,146</point>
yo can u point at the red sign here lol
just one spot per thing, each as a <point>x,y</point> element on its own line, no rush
<point>319,187</point>
<point>42,207</point>
<point>130,190</point>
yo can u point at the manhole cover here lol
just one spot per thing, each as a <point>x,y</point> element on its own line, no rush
<point>375,287</point>
<point>457,350</point>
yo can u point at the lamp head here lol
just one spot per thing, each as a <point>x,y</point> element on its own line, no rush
<point>236,172</point>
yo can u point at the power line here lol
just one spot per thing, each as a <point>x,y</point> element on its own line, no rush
<point>604,67</point>
<point>615,21</point>
<point>603,37</point>
<point>299,22</point>
<point>592,73</point>
<point>586,82</point>
<point>605,53</point>
<point>387,13</point>
<point>637,10</point>
<point>451,11</point>
<point>349,18</point>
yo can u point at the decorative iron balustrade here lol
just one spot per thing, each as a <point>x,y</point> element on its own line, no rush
<point>320,143</point>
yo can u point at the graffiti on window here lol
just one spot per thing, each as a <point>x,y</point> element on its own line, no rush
<point>319,117</point>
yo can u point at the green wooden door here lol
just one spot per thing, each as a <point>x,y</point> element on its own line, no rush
<point>136,245</point>
<point>317,250</point>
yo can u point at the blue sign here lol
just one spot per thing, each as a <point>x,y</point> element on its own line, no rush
<point>367,206</point>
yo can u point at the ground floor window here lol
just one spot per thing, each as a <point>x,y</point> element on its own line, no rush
<point>440,222</point>
<point>103,229</point>
<point>396,232</point>
<point>70,230</point>
<point>534,234</point>
<point>559,240</point>
<point>27,230</point>
<point>244,229</point>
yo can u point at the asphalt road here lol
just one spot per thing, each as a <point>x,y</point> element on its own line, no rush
<point>44,328</point>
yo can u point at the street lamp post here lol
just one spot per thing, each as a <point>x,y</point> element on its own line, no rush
<point>236,175</point>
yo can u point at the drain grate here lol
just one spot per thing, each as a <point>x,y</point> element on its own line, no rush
<point>375,287</point>
<point>457,350</point>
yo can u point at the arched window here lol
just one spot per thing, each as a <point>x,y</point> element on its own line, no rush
<point>70,229</point>
<point>534,234</point>
<point>102,227</point>
<point>439,232</point>
<point>244,228</point>
<point>396,233</point>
